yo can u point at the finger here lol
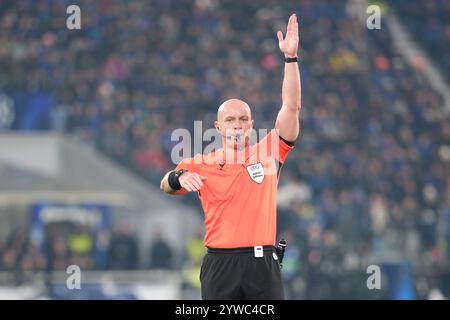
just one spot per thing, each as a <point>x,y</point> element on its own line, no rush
<point>198,180</point>
<point>187,187</point>
<point>294,19</point>
<point>280,36</point>
<point>191,186</point>
<point>195,183</point>
<point>291,18</point>
<point>292,22</point>
<point>289,29</point>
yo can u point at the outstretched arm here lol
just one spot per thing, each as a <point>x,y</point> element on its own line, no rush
<point>287,123</point>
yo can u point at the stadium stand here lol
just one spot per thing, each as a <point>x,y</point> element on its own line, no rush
<point>369,180</point>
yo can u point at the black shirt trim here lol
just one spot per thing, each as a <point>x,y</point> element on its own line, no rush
<point>289,143</point>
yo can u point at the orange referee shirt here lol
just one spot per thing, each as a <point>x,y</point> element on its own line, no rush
<point>239,198</point>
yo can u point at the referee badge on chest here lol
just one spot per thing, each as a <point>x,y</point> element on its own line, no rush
<point>256,172</point>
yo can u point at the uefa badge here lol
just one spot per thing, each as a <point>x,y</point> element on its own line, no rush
<point>256,172</point>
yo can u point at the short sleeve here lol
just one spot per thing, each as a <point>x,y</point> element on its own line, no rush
<point>274,146</point>
<point>190,164</point>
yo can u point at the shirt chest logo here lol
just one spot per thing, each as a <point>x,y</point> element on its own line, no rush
<point>256,172</point>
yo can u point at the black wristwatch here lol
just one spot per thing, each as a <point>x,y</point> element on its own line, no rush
<point>174,177</point>
<point>179,173</point>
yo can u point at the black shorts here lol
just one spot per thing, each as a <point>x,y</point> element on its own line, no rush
<point>229,274</point>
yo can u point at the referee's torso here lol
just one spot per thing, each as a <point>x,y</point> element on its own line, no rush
<point>239,197</point>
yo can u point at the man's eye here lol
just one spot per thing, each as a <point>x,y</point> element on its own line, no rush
<point>228,120</point>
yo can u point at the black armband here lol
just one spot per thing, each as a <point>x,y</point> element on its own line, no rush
<point>173,179</point>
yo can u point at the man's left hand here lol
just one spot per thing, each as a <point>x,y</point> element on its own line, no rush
<point>289,45</point>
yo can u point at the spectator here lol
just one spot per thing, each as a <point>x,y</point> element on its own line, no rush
<point>161,256</point>
<point>123,253</point>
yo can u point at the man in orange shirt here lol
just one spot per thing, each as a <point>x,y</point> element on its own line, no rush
<point>237,186</point>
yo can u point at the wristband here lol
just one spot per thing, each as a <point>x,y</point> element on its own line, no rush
<point>288,60</point>
<point>173,179</point>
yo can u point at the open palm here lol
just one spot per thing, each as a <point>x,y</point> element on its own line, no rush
<point>289,45</point>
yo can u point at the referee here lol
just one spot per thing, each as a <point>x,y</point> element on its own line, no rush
<point>239,197</point>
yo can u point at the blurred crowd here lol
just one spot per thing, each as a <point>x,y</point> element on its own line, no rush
<point>369,180</point>
<point>80,245</point>
<point>429,24</point>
